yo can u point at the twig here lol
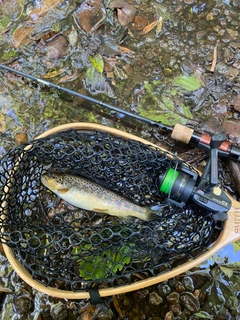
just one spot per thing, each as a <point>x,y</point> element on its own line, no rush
<point>214,62</point>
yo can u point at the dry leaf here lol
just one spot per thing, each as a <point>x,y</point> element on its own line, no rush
<point>68,77</point>
<point>90,15</point>
<point>125,50</point>
<point>3,289</point>
<point>125,11</point>
<point>20,35</point>
<point>126,14</point>
<point>149,27</point>
<point>117,306</point>
<point>53,74</point>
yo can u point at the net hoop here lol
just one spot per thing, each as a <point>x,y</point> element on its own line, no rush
<point>66,294</point>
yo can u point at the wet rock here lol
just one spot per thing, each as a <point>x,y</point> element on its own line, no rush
<point>40,21</point>
<point>236,102</point>
<point>232,127</point>
<point>188,283</point>
<point>163,289</point>
<point>173,298</point>
<point>59,311</point>
<point>90,15</point>
<point>189,302</point>
<point>224,315</point>
<point>139,23</point>
<point>140,294</point>
<point>155,299</point>
<point>11,8</point>
<point>222,68</point>
<point>180,287</point>
<point>20,138</point>
<point>22,302</point>
<point>169,316</point>
<point>181,316</point>
<point>200,278</point>
<point>7,312</point>
<point>105,313</point>
<point>175,308</point>
<point>197,293</point>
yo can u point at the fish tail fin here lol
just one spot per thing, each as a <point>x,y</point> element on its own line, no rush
<point>155,212</point>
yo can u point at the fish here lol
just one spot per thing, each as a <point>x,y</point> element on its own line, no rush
<point>88,195</point>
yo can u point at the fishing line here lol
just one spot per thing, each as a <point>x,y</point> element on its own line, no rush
<point>175,175</point>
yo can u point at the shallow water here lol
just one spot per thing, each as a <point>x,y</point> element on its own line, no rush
<point>158,74</point>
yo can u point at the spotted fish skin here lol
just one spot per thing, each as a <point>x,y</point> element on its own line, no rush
<point>88,195</point>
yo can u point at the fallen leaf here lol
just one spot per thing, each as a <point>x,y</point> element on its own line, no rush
<point>125,50</point>
<point>20,35</point>
<point>97,62</point>
<point>90,15</point>
<point>126,14</point>
<point>68,77</point>
<point>159,25</point>
<point>117,306</point>
<point>125,11</point>
<point>227,271</point>
<point>53,74</point>
<point>148,28</point>
<point>203,315</point>
<point>2,124</point>
<point>96,82</point>
<point>109,63</point>
<point>57,48</point>
<point>189,83</point>
<point>3,289</point>
<point>236,246</point>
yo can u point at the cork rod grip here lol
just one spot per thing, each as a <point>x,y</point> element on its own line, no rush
<point>182,133</point>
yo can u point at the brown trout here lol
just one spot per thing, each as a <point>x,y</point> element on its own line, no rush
<point>88,195</point>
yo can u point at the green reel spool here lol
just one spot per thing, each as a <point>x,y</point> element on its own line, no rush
<point>168,180</point>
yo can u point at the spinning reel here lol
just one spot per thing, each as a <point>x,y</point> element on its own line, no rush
<point>182,185</point>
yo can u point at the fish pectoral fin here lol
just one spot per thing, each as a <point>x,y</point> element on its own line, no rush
<point>63,190</point>
<point>100,210</point>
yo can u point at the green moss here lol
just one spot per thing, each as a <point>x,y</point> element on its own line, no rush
<point>8,54</point>
<point>4,21</point>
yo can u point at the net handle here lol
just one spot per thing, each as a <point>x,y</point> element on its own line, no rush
<point>230,233</point>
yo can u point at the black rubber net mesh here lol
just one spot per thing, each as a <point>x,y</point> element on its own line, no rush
<point>67,247</point>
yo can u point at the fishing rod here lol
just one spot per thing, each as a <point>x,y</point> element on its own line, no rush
<point>179,132</point>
